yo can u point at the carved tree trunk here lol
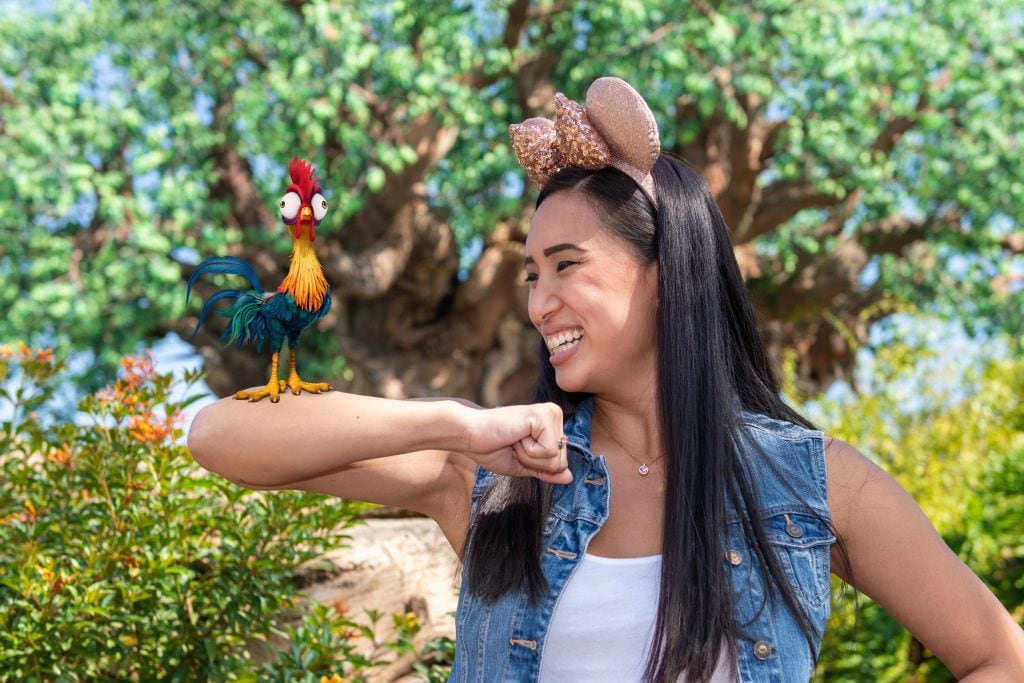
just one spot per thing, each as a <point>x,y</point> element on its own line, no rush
<point>409,326</point>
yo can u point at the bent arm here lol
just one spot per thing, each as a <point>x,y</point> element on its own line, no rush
<point>898,559</point>
<point>278,444</point>
<point>417,454</point>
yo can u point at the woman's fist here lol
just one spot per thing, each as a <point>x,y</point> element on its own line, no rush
<point>520,441</point>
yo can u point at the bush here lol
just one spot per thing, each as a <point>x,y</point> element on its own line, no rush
<point>953,436</point>
<point>121,559</point>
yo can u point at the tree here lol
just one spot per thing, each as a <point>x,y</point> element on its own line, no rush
<point>865,159</point>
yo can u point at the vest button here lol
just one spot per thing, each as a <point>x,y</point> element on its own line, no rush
<point>794,530</point>
<point>735,559</point>
<point>762,650</point>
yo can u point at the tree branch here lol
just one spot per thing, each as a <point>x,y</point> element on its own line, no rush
<point>516,22</point>
<point>819,280</point>
<point>234,180</point>
<point>780,202</point>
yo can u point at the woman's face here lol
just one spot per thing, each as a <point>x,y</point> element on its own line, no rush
<point>591,299</point>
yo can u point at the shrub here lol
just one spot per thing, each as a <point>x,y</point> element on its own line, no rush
<point>121,559</point>
<point>953,436</point>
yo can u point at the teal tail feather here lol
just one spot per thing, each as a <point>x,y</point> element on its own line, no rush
<point>246,323</point>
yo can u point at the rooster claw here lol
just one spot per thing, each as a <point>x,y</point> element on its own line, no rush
<point>273,390</point>
<point>297,386</point>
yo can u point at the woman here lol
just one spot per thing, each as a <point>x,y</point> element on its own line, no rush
<point>659,512</point>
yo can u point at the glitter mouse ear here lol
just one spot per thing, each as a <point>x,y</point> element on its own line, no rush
<point>626,123</point>
<point>616,129</point>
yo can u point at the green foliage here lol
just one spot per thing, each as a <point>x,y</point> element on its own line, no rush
<point>436,660</point>
<point>114,116</point>
<point>950,429</point>
<point>120,559</point>
<point>328,646</point>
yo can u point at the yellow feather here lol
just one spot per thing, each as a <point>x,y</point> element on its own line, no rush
<point>305,280</point>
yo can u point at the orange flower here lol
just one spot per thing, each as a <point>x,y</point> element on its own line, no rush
<point>128,560</point>
<point>120,393</point>
<point>138,369</point>
<point>6,352</point>
<point>48,575</point>
<point>62,455</point>
<point>339,606</point>
<point>32,516</point>
<point>57,581</point>
<point>44,355</point>
<point>145,428</point>
<point>29,517</point>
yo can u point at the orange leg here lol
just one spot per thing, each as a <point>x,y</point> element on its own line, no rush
<point>295,382</point>
<point>273,389</point>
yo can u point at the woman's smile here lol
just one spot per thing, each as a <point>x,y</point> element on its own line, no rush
<point>563,345</point>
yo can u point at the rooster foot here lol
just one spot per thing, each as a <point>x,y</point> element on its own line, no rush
<point>296,384</point>
<point>273,390</point>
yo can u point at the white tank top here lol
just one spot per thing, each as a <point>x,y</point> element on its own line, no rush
<point>603,623</point>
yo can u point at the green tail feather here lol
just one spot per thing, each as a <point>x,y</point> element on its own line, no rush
<point>247,325</point>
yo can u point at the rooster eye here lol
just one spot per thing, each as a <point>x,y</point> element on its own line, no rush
<point>290,207</point>
<point>319,205</point>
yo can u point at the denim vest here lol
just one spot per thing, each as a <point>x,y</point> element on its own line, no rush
<point>504,641</point>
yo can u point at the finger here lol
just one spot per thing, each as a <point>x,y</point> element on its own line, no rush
<point>545,429</point>
<point>550,470</point>
<point>563,477</point>
<point>551,460</point>
<point>531,464</point>
<point>544,447</point>
<point>533,453</point>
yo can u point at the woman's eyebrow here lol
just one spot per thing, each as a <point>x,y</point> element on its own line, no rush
<point>554,249</point>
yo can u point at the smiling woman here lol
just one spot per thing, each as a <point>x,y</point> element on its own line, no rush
<point>708,562</point>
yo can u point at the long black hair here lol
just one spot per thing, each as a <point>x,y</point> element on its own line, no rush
<point>711,363</point>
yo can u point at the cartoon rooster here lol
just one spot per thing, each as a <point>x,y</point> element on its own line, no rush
<point>261,317</point>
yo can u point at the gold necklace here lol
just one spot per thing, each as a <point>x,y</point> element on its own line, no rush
<point>644,470</point>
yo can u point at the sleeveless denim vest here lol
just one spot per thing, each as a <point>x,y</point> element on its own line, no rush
<point>504,641</point>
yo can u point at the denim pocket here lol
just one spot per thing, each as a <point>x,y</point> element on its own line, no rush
<point>802,543</point>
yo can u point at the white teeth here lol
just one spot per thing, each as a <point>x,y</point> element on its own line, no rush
<point>561,341</point>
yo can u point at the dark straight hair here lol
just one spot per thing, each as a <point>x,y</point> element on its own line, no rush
<point>711,363</point>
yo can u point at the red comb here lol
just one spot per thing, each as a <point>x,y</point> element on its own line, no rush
<point>302,173</point>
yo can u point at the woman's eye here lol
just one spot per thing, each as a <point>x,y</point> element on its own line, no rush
<point>562,265</point>
<point>530,277</point>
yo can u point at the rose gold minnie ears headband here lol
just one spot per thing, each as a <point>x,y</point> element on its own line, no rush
<point>616,129</point>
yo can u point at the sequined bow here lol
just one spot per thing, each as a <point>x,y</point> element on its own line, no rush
<point>616,129</point>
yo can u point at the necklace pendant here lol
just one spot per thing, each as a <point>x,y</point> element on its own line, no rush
<point>644,470</point>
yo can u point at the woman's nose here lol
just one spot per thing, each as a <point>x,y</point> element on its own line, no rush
<point>542,304</point>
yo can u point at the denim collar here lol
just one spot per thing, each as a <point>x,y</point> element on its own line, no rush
<point>577,425</point>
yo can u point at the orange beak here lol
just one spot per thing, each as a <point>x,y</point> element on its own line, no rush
<point>305,220</point>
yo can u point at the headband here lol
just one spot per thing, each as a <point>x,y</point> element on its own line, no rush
<point>616,129</point>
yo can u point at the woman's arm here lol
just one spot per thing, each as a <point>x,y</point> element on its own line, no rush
<point>420,455</point>
<point>899,560</point>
